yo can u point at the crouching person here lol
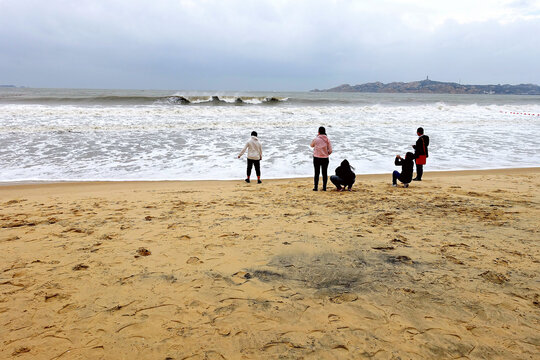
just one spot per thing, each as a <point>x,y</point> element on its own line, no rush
<point>407,168</point>
<point>344,177</point>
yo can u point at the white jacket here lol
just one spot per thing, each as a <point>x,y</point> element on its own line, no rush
<point>254,149</point>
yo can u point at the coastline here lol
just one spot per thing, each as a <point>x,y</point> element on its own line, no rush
<point>223,269</point>
<point>27,183</point>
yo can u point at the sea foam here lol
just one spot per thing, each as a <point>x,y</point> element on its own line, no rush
<point>44,142</point>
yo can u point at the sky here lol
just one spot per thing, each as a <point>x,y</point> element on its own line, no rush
<point>276,45</point>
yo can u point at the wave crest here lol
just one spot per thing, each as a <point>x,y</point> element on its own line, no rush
<point>219,99</point>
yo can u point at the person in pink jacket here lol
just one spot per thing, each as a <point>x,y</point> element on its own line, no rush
<point>322,148</point>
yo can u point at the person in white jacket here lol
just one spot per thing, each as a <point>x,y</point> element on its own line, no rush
<point>254,156</point>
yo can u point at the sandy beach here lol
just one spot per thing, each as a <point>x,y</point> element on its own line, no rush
<point>448,268</point>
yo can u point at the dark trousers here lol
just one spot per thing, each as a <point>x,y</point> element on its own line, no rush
<point>250,164</point>
<point>318,164</point>
<point>419,171</point>
<point>395,177</point>
<point>339,182</point>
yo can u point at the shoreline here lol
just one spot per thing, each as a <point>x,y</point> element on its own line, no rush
<point>30,183</point>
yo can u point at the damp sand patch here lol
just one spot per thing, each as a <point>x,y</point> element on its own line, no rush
<point>333,273</point>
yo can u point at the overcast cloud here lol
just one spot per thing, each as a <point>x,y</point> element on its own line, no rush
<point>266,45</point>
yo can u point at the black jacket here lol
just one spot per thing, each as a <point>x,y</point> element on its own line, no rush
<point>407,166</point>
<point>346,175</point>
<point>421,144</point>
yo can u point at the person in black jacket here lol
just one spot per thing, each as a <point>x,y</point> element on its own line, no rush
<point>420,153</point>
<point>407,166</point>
<point>344,176</point>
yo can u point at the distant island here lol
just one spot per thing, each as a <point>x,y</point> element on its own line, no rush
<point>437,87</point>
<point>7,86</point>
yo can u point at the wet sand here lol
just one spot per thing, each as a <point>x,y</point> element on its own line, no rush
<point>448,268</point>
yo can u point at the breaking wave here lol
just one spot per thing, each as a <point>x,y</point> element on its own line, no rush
<point>216,100</point>
<point>128,98</point>
<point>145,100</point>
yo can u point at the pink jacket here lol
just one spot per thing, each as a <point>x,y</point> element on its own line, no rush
<point>321,146</point>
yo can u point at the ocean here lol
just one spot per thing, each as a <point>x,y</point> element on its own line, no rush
<point>87,135</point>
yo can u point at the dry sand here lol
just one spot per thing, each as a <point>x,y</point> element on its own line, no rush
<point>448,268</point>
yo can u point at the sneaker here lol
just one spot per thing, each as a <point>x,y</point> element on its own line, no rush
<point>416,179</point>
<point>315,189</point>
<point>349,189</point>
<point>323,189</point>
<point>339,189</point>
<point>394,185</point>
<point>405,185</point>
<point>259,182</point>
<point>247,180</point>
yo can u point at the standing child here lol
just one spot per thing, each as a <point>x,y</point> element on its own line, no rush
<point>254,156</point>
<point>407,166</point>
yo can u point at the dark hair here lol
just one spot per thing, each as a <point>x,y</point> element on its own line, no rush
<point>253,133</point>
<point>409,156</point>
<point>420,131</point>
<point>345,164</point>
<point>322,130</point>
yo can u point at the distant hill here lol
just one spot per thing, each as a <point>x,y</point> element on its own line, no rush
<point>437,87</point>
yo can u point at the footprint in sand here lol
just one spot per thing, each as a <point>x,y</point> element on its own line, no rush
<point>344,298</point>
<point>383,248</point>
<point>400,240</point>
<point>453,259</point>
<point>403,259</point>
<point>241,277</point>
<point>67,308</point>
<point>536,300</point>
<point>193,261</point>
<point>494,277</point>
<point>340,347</point>
<point>20,350</point>
<point>224,332</point>
<point>55,296</point>
<point>333,318</point>
<point>15,201</point>
<point>501,261</point>
<point>80,267</point>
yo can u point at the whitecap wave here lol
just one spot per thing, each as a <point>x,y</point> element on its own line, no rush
<point>181,99</point>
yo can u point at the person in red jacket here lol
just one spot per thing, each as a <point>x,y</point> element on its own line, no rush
<point>420,153</point>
